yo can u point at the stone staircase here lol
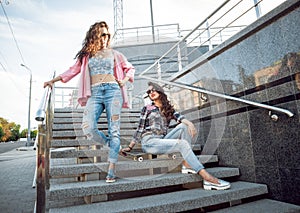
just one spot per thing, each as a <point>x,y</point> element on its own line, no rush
<point>78,168</point>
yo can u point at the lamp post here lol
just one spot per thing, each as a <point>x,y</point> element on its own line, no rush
<point>29,105</point>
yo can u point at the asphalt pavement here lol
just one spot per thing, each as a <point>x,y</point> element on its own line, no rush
<point>17,170</point>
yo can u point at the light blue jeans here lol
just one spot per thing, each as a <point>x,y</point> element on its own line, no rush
<point>177,140</point>
<point>104,96</point>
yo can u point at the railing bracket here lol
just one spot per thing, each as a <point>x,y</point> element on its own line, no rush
<point>274,117</point>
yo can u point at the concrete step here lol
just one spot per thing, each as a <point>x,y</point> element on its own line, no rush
<point>66,111</point>
<point>70,120</point>
<point>172,202</point>
<point>125,134</point>
<point>82,141</point>
<point>74,153</point>
<point>262,206</point>
<point>87,168</point>
<point>125,140</point>
<point>100,187</point>
<point>72,126</point>
<point>103,115</point>
<point>90,151</point>
<point>72,143</point>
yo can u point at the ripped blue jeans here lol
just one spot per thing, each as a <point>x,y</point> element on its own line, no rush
<point>104,96</point>
<point>177,140</point>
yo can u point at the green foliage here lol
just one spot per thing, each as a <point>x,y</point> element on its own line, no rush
<point>1,132</point>
<point>10,131</point>
<point>33,133</point>
<point>23,133</point>
<point>15,132</point>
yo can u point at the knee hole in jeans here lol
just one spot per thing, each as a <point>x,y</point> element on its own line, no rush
<point>86,130</point>
<point>115,117</point>
<point>85,111</point>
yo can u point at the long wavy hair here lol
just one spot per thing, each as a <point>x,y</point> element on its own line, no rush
<point>167,108</point>
<point>91,44</point>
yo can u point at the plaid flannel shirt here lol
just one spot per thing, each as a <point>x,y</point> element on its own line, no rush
<point>154,122</point>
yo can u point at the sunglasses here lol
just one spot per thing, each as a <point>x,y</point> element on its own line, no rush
<point>150,91</point>
<point>104,34</point>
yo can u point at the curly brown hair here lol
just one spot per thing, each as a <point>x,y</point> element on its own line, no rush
<point>91,44</point>
<point>167,109</point>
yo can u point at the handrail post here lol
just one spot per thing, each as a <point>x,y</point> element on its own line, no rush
<point>179,58</point>
<point>257,9</point>
<point>208,35</point>
<point>45,111</point>
<point>47,146</point>
<point>40,183</point>
<point>158,69</point>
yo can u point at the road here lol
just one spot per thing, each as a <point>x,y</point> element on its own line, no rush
<point>8,146</point>
<point>16,178</point>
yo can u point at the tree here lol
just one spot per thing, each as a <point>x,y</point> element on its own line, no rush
<point>1,132</point>
<point>23,133</point>
<point>15,132</point>
<point>9,131</point>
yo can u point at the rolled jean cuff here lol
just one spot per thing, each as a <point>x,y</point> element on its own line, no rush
<point>111,160</point>
<point>199,169</point>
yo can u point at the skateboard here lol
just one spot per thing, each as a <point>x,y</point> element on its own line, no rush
<point>139,156</point>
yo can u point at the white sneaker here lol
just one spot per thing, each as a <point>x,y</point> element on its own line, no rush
<point>185,170</point>
<point>221,186</point>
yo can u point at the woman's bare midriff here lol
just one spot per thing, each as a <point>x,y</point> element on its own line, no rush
<point>102,78</point>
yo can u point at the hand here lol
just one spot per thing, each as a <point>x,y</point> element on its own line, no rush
<point>124,150</point>
<point>121,83</point>
<point>48,83</point>
<point>192,130</point>
<point>127,149</point>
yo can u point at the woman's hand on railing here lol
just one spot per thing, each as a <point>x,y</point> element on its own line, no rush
<point>51,82</point>
<point>48,83</point>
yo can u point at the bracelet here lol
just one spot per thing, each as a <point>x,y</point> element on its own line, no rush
<point>130,147</point>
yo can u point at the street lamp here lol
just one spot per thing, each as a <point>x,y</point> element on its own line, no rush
<point>29,106</point>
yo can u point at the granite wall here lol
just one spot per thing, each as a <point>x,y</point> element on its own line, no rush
<point>262,64</point>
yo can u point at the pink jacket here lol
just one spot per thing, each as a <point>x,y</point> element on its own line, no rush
<point>122,68</point>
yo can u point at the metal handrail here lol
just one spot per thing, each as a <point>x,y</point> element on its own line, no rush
<point>41,112</point>
<point>228,97</point>
<point>176,45</point>
<point>44,113</point>
<point>183,39</point>
<point>134,34</point>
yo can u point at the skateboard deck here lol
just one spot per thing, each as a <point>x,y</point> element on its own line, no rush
<point>140,156</point>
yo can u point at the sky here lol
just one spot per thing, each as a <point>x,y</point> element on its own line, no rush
<point>45,35</point>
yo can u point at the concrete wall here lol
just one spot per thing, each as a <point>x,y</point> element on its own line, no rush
<point>261,63</point>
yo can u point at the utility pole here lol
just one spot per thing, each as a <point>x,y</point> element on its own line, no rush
<point>152,21</point>
<point>29,105</point>
<point>118,19</point>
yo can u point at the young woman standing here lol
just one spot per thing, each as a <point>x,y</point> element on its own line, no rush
<point>104,72</point>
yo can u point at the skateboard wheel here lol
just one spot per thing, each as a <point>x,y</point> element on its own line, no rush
<point>140,159</point>
<point>174,156</point>
<point>135,158</point>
